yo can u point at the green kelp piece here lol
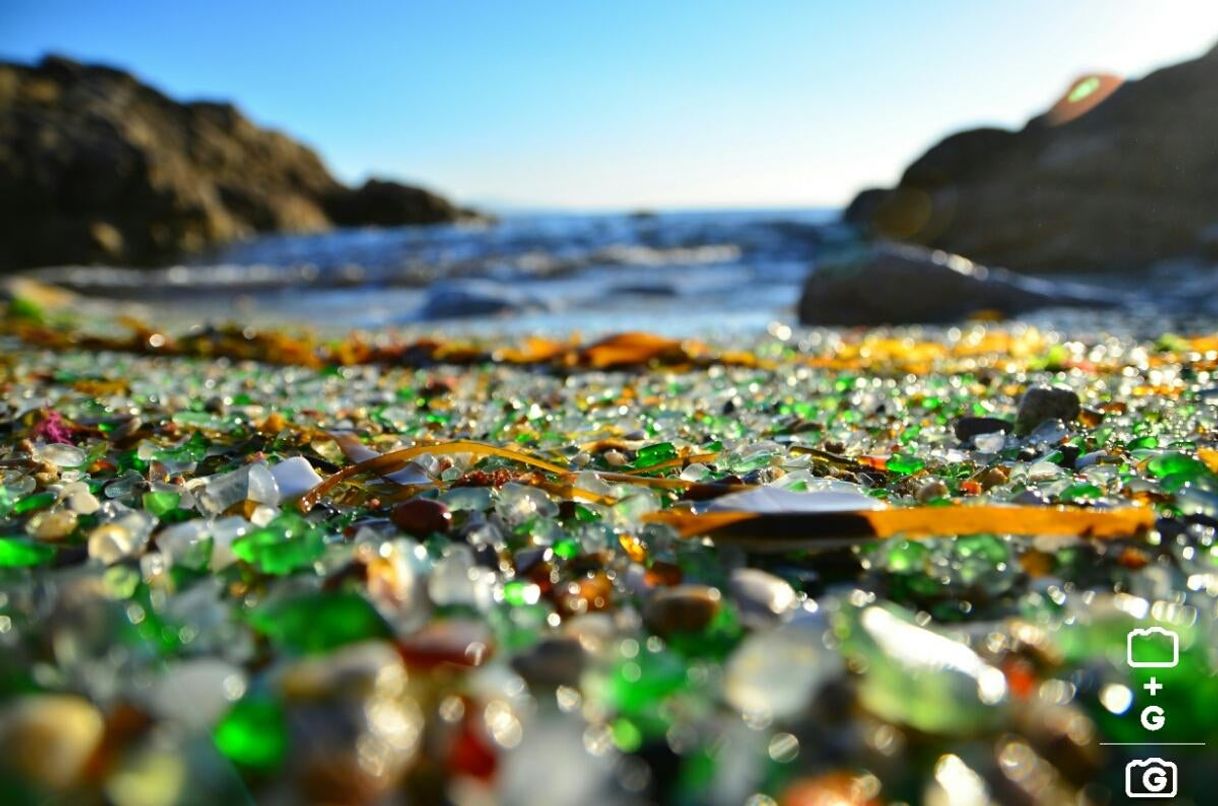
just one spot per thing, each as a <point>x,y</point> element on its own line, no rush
<point>319,622</point>
<point>17,552</point>
<point>253,734</point>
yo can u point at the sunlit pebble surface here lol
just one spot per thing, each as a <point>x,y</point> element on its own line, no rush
<point>174,630</point>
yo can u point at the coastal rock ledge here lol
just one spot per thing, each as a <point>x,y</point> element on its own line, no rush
<point>1114,176</point>
<point>97,167</point>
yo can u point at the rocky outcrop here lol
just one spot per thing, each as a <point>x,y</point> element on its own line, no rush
<point>1114,176</point>
<point>898,284</point>
<point>97,167</point>
<point>380,203</point>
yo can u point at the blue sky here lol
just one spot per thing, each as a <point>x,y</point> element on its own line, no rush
<point>621,104</point>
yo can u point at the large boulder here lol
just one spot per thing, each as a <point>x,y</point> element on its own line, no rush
<point>98,167</point>
<point>387,204</point>
<point>1114,176</point>
<point>905,284</point>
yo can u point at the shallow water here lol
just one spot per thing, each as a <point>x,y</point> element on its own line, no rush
<point>723,273</point>
<point>671,272</point>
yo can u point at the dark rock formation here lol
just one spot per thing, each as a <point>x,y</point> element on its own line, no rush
<point>905,284</point>
<point>98,167</point>
<point>380,203</point>
<point>1115,175</point>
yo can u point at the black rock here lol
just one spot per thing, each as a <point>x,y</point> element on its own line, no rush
<point>552,662</point>
<point>1115,175</point>
<point>900,284</point>
<point>1040,403</point>
<point>99,167</point>
<point>381,203</point>
<point>453,299</point>
<point>966,428</point>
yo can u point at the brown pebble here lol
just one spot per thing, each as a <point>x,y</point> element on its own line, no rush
<point>993,477</point>
<point>682,608</point>
<point>421,517</point>
<point>932,491</point>
<point>1090,417</point>
<point>662,574</point>
<point>588,595</point>
<point>49,738</point>
<point>56,525</point>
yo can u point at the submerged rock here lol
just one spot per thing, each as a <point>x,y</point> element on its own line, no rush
<point>456,299</point>
<point>902,284</point>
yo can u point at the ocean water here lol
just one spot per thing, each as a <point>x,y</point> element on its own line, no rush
<point>672,272</point>
<point>677,273</point>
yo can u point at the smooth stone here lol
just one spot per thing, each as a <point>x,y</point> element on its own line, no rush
<point>223,490</point>
<point>457,641</point>
<point>183,541</point>
<point>932,491</point>
<point>682,608</point>
<point>777,499</point>
<point>195,693</point>
<point>345,709</point>
<point>921,678</point>
<point>777,672</point>
<point>552,662</point>
<point>123,537</point>
<point>224,532</point>
<point>1040,403</point>
<point>61,455</point>
<point>263,488</point>
<point>1096,458</point>
<point>110,543</point>
<point>49,738</point>
<point>990,443</point>
<point>517,503</point>
<point>895,284</point>
<point>460,298</point>
<point>456,579</point>
<point>552,765</point>
<point>762,598</point>
<point>294,477</point>
<point>966,428</point>
<point>56,525</point>
<point>422,517</point>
